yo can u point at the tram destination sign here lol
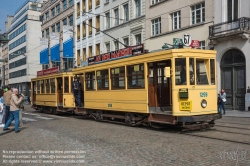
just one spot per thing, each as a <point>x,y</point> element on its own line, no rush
<point>48,71</point>
<point>118,54</point>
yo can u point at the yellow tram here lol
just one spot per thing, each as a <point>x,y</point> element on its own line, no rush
<point>176,87</point>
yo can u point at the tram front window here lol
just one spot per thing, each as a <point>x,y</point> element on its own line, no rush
<point>180,71</point>
<point>201,72</point>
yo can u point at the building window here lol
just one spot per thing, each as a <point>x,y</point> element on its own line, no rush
<point>156,26</point>
<point>116,44</point>
<point>83,31</point>
<point>70,2</point>
<point>155,1</point>
<point>64,4</point>
<point>90,4</point>
<point>97,49</point>
<point>126,13</point>
<point>118,78</point>
<point>198,13</point>
<point>78,32</point>
<point>135,74</point>
<point>97,24</point>
<point>176,18</point>
<point>53,28</point>
<point>138,39</point>
<point>71,20</point>
<point>58,9</point>
<point>125,41</point>
<point>202,45</point>
<point>84,54</point>
<point>137,8</point>
<point>47,32</point>
<point>78,9</point>
<point>107,20</point>
<point>83,6</point>
<point>102,80</point>
<point>107,47</point>
<point>58,26</point>
<point>53,12</point>
<point>116,13</point>
<point>232,10</point>
<point>90,80</point>
<point>97,2</point>
<point>47,16</point>
<point>65,21</point>
<point>42,33</point>
<point>90,51</point>
<point>90,27</point>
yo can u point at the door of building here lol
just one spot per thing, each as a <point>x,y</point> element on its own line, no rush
<point>233,78</point>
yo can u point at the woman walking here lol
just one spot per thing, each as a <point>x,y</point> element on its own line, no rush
<point>2,109</point>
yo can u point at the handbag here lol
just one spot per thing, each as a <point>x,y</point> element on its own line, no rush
<point>224,100</point>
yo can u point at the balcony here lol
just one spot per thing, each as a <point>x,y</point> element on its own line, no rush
<point>230,29</point>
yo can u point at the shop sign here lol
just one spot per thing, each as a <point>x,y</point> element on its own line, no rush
<point>48,71</point>
<point>195,44</point>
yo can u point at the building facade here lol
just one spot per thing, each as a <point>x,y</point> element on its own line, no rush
<point>4,55</point>
<point>230,37</point>
<point>166,20</point>
<point>89,24</point>
<point>24,35</point>
<point>56,14</point>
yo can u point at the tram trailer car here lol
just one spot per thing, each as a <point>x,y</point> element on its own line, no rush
<point>52,93</point>
<point>174,87</point>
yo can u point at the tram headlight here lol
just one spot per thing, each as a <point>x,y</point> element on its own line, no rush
<point>203,103</point>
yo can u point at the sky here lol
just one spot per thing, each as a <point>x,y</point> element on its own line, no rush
<point>8,7</point>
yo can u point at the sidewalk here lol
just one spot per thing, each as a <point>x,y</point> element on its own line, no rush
<point>237,113</point>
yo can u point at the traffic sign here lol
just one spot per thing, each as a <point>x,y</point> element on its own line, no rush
<point>186,39</point>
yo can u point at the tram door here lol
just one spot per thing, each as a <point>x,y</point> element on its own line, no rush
<point>159,85</point>
<point>59,91</point>
<point>33,93</point>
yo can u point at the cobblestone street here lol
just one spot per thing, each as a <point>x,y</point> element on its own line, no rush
<point>109,144</point>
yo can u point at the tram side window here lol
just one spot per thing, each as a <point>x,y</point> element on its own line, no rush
<point>180,71</point>
<point>212,71</point>
<point>201,71</point>
<point>191,71</point>
<point>135,74</point>
<point>47,86</point>
<point>66,84</point>
<point>102,80</point>
<point>52,83</point>
<point>118,78</point>
<point>42,86</point>
<point>90,80</point>
<point>38,87</point>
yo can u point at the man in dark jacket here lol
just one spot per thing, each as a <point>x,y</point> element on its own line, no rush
<point>219,104</point>
<point>76,88</point>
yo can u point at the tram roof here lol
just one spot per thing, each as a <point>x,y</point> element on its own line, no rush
<point>157,55</point>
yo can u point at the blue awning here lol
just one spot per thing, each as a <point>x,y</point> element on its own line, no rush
<point>68,48</point>
<point>44,56</point>
<point>55,53</point>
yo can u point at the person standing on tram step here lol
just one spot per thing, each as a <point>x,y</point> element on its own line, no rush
<point>14,110</point>
<point>223,98</point>
<point>7,96</point>
<point>183,75</point>
<point>219,100</point>
<point>76,87</point>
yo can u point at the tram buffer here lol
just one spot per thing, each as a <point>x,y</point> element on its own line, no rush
<point>77,86</point>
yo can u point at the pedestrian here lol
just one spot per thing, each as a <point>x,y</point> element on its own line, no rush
<point>76,88</point>
<point>7,96</point>
<point>223,98</point>
<point>14,110</point>
<point>2,108</point>
<point>219,104</point>
<point>21,108</point>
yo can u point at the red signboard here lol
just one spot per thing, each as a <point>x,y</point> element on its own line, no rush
<point>118,54</point>
<point>48,71</point>
<point>195,44</point>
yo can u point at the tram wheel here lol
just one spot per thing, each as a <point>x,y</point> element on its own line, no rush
<point>55,112</point>
<point>129,119</point>
<point>99,116</point>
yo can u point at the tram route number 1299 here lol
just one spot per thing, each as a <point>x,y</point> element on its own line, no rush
<point>203,94</point>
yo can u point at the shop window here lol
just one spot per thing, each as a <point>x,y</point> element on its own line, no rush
<point>90,80</point>
<point>118,78</point>
<point>102,80</point>
<point>135,74</point>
